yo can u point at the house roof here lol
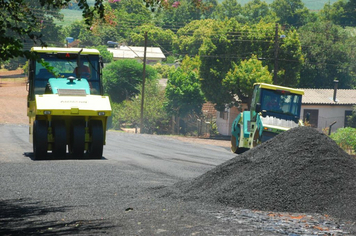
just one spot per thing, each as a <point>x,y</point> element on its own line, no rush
<point>128,52</point>
<point>325,97</point>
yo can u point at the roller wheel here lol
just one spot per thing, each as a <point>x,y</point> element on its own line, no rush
<point>60,139</point>
<point>40,139</point>
<point>97,139</point>
<point>77,144</point>
<point>233,144</point>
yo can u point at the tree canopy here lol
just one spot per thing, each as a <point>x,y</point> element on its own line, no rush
<point>183,91</point>
<point>240,78</point>
<point>21,22</point>
<point>121,79</point>
<point>328,56</point>
<point>221,44</point>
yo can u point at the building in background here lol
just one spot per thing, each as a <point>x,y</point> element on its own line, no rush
<point>153,54</point>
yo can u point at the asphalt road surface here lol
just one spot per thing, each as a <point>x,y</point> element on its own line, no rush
<point>112,196</point>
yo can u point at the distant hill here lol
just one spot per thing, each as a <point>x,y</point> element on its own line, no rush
<point>310,4</point>
<point>72,15</point>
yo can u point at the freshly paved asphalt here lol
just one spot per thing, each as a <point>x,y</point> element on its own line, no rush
<point>112,196</point>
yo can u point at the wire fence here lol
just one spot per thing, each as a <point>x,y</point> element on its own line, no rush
<point>193,125</point>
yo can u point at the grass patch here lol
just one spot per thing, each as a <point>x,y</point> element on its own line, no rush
<point>69,16</point>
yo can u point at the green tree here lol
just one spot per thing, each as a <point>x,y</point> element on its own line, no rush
<point>228,9</point>
<point>341,12</point>
<point>326,48</point>
<point>334,12</point>
<point>19,21</point>
<point>290,59</point>
<point>156,36</point>
<point>185,12</point>
<point>106,55</point>
<point>291,12</point>
<point>155,118</point>
<point>191,37</point>
<point>74,29</point>
<point>46,30</point>
<point>86,37</point>
<point>121,79</point>
<point>220,44</point>
<point>121,17</point>
<point>256,10</point>
<point>240,78</point>
<point>163,70</point>
<point>183,92</point>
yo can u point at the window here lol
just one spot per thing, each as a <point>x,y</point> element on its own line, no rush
<point>278,102</point>
<point>313,117</point>
<point>66,67</point>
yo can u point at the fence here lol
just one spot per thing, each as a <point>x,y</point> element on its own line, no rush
<point>194,125</point>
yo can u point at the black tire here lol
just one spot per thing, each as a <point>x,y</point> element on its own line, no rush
<point>97,139</point>
<point>40,139</point>
<point>233,144</point>
<point>60,139</point>
<point>234,147</point>
<point>77,139</point>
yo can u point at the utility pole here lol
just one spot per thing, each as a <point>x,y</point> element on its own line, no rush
<point>143,83</point>
<point>276,48</point>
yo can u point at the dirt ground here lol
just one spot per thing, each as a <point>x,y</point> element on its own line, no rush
<point>13,99</point>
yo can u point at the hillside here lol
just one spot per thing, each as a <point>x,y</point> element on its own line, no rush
<point>73,15</point>
<point>310,4</point>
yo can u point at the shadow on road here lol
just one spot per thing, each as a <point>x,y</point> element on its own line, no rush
<point>18,217</point>
<point>67,157</point>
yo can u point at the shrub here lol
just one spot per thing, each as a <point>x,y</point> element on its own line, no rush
<point>345,138</point>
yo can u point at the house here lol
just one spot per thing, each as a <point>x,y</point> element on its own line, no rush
<point>324,106</point>
<point>153,54</point>
<point>225,119</point>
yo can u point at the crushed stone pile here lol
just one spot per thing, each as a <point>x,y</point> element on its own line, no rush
<point>300,170</point>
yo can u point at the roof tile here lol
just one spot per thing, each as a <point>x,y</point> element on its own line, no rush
<point>325,96</point>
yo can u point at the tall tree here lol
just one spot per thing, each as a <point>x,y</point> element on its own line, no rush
<point>222,43</point>
<point>191,37</point>
<point>291,12</point>
<point>228,9</point>
<point>256,10</point>
<point>185,11</point>
<point>156,36</point>
<point>240,78</point>
<point>19,23</point>
<point>341,12</point>
<point>120,18</point>
<point>183,91</point>
<point>326,48</point>
<point>121,79</point>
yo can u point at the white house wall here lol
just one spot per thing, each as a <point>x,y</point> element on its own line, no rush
<point>328,114</point>
<point>224,124</point>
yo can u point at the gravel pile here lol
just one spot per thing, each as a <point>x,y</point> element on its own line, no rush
<point>301,170</point>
